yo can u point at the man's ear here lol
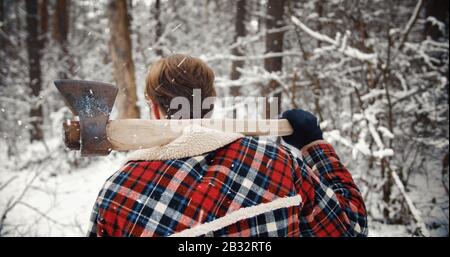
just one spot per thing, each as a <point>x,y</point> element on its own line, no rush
<point>156,113</point>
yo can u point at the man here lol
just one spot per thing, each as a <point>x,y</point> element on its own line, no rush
<point>212,183</point>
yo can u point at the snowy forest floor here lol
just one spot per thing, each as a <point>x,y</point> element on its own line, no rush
<point>46,198</point>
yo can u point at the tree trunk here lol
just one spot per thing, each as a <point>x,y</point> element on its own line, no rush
<point>158,28</point>
<point>387,186</point>
<point>2,21</point>
<point>34,70</point>
<point>61,22</point>
<point>17,24</point>
<point>2,46</point>
<point>439,10</point>
<point>60,33</point>
<point>239,31</point>
<point>120,49</point>
<point>259,9</point>
<point>44,21</point>
<point>274,44</point>
<point>317,86</point>
<point>130,15</point>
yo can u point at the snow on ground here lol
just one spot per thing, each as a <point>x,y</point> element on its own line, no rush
<point>58,203</point>
<point>377,229</point>
<point>64,200</point>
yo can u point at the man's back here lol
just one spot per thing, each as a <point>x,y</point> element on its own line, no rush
<point>242,186</point>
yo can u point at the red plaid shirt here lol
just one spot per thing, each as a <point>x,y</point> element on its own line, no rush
<point>162,198</point>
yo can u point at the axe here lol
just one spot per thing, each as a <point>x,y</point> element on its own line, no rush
<point>94,134</point>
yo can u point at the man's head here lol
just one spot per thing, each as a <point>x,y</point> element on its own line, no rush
<point>177,76</point>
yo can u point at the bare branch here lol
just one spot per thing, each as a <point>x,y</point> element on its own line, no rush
<point>410,24</point>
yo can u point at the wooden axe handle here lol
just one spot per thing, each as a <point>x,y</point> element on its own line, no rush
<point>71,133</point>
<point>132,134</point>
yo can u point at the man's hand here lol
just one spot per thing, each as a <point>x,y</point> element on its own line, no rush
<point>306,128</point>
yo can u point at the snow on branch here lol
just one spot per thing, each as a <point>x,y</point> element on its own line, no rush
<point>436,22</point>
<point>415,213</point>
<point>220,57</point>
<point>376,137</point>
<point>338,44</point>
<point>243,41</point>
<point>383,153</point>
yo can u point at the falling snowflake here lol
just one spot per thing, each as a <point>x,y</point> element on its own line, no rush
<point>176,27</point>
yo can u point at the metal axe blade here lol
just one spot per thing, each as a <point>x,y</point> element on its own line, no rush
<point>92,102</point>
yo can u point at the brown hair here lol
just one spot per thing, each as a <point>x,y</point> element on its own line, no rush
<point>178,75</point>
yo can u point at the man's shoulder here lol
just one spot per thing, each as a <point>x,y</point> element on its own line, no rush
<point>133,170</point>
<point>264,145</point>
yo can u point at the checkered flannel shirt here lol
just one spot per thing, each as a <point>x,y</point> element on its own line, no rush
<point>160,198</point>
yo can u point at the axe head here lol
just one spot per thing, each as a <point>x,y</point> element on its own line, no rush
<point>92,102</point>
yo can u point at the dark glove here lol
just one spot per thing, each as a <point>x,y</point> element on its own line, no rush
<point>305,125</point>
